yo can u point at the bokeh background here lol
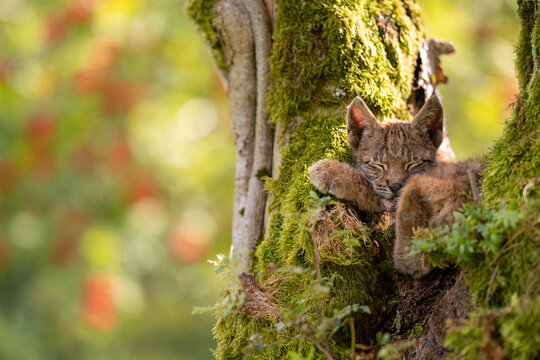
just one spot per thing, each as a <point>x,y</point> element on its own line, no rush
<point>117,166</point>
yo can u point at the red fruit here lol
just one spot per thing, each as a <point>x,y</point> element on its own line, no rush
<point>90,80</point>
<point>41,128</point>
<point>65,247</point>
<point>119,155</point>
<point>141,186</point>
<point>118,97</point>
<point>40,131</point>
<point>57,28</point>
<point>189,244</point>
<point>84,159</point>
<point>64,250</point>
<point>98,305</point>
<point>75,220</point>
<point>5,257</point>
<point>106,53</point>
<point>77,12</point>
<point>80,11</point>
<point>8,175</point>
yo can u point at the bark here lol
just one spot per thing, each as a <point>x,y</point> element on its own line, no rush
<point>243,30</point>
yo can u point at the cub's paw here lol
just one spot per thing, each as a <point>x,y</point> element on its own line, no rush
<point>424,267</point>
<point>322,175</point>
<point>416,265</point>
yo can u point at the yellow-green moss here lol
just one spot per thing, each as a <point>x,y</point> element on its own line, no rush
<point>321,46</point>
<point>514,161</point>
<point>200,11</point>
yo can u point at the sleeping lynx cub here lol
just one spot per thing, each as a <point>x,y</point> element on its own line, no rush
<point>397,170</point>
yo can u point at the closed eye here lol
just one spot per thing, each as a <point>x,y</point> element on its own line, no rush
<point>415,164</point>
<point>377,165</point>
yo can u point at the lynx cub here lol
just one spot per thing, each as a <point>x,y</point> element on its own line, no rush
<point>397,170</point>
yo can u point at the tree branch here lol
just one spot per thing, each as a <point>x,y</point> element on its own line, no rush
<point>232,24</point>
<point>244,30</point>
<point>262,155</point>
<point>429,74</point>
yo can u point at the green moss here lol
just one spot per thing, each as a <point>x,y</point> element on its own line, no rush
<point>200,11</point>
<point>513,331</point>
<point>321,46</point>
<point>514,161</point>
<point>520,328</point>
<point>524,59</point>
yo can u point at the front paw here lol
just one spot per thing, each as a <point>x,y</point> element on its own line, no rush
<point>424,267</point>
<point>322,176</point>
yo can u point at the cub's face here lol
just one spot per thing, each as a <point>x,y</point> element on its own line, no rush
<point>388,153</point>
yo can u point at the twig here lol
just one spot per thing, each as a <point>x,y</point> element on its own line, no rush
<point>319,284</point>
<point>474,186</point>
<point>353,337</point>
<point>527,187</point>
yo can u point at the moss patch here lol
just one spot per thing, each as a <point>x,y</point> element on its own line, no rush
<point>200,11</point>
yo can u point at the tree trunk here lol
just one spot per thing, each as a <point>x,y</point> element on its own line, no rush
<point>292,68</point>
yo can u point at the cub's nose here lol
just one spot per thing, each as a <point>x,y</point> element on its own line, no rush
<point>395,187</point>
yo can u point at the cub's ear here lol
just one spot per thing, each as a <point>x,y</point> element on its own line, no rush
<point>359,119</point>
<point>430,120</point>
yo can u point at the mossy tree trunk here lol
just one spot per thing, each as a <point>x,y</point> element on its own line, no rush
<point>290,68</point>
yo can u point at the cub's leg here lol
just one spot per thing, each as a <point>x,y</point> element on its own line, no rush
<point>345,182</point>
<point>413,211</point>
<point>429,198</point>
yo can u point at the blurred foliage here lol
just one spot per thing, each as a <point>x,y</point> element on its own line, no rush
<point>116,180</point>
<point>116,167</point>
<point>482,79</point>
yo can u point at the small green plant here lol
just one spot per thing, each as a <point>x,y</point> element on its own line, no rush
<point>391,350</point>
<point>417,331</point>
<point>478,231</point>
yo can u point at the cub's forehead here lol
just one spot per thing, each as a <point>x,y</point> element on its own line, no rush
<point>395,123</point>
<point>395,140</point>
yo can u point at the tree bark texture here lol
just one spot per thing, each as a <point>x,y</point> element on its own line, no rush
<point>243,31</point>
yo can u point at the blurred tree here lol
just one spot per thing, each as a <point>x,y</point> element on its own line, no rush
<point>101,164</point>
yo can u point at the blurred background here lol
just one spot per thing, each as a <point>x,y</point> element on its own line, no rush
<point>117,161</point>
